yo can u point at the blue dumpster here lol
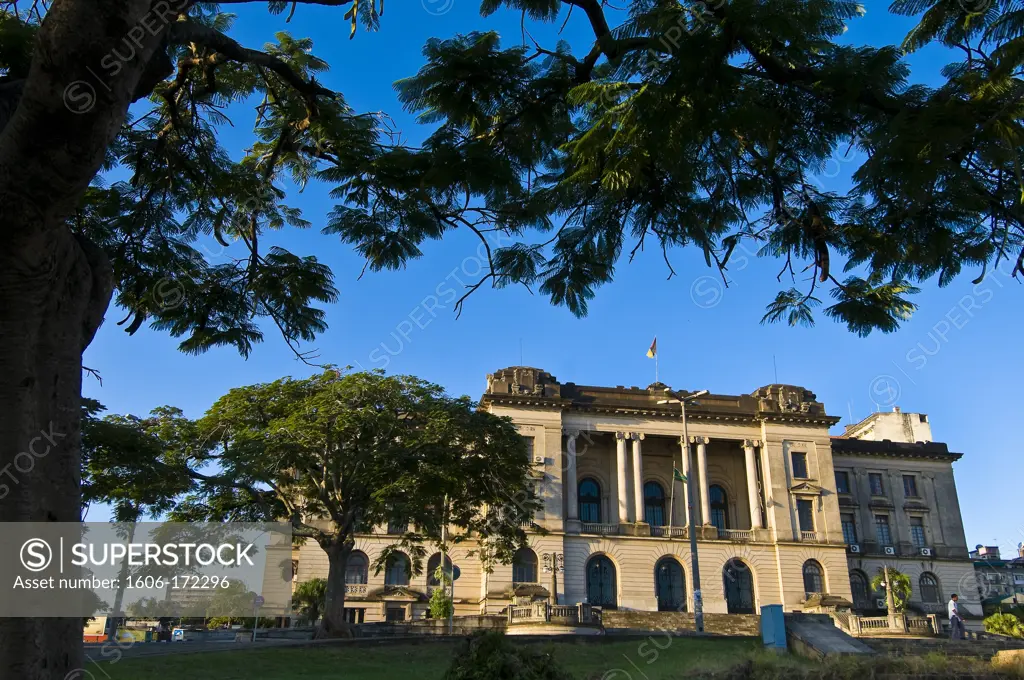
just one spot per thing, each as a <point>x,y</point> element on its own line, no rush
<point>773,627</point>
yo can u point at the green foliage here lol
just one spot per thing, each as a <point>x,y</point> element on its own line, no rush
<point>490,656</point>
<point>17,39</point>
<point>362,449</point>
<point>308,599</point>
<point>705,125</point>
<point>440,604</point>
<point>1005,624</point>
<point>687,125</point>
<point>130,462</point>
<point>901,587</point>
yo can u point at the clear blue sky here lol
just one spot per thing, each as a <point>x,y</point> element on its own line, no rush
<point>960,367</point>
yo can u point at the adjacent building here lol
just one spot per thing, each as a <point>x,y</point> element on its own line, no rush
<point>999,581</point>
<point>782,509</point>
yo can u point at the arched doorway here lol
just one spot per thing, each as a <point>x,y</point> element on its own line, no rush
<point>739,587</point>
<point>601,590</point>
<point>670,585</point>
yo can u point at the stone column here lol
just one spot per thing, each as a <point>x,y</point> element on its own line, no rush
<point>685,469</point>
<point>569,482</point>
<point>620,472</point>
<point>638,478</point>
<point>753,498</point>
<point>702,470</point>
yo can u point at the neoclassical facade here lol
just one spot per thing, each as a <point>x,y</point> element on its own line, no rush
<point>782,509</point>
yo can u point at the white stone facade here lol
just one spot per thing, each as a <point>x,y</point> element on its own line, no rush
<point>763,468</point>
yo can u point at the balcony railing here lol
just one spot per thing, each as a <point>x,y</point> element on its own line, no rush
<point>669,532</point>
<point>543,612</point>
<point>355,589</point>
<point>741,535</point>
<point>809,536</point>
<point>600,529</point>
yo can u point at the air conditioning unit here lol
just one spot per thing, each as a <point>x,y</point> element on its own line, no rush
<point>854,548</point>
<point>927,552</point>
<point>889,550</point>
<point>538,460</point>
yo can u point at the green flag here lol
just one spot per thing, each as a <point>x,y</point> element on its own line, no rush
<point>678,475</point>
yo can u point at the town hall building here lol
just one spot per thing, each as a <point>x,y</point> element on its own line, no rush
<point>783,510</point>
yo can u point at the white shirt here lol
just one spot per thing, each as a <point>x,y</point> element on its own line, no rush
<point>952,609</point>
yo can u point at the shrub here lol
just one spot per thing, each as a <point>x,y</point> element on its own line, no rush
<point>440,604</point>
<point>1005,624</point>
<point>490,656</point>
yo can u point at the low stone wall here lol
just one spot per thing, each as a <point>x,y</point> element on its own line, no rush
<point>461,625</point>
<point>745,625</point>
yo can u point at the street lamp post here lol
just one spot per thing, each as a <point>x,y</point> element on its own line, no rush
<point>698,598</point>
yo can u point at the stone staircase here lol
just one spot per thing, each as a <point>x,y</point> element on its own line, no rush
<point>815,636</point>
<point>919,646</point>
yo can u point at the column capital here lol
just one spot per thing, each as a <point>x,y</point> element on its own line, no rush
<point>635,435</point>
<point>700,440</point>
<point>621,435</point>
<point>755,443</point>
<point>572,432</point>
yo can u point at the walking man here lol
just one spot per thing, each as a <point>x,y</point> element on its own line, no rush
<point>956,624</point>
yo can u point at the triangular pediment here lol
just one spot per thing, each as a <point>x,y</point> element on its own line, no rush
<point>809,488</point>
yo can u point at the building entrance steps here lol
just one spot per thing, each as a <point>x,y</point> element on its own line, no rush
<point>816,636</point>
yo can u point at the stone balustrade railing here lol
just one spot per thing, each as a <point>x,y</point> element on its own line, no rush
<point>898,624</point>
<point>544,612</point>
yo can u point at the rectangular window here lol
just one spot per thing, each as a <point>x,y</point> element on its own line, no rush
<point>875,479</point>
<point>910,486</point>
<point>842,482</point>
<point>805,513</point>
<point>882,530</point>
<point>395,614</point>
<point>849,529</point>
<point>917,531</point>
<point>799,465</point>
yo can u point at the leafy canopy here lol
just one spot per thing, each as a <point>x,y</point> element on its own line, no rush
<point>682,124</point>
<point>900,583</point>
<point>338,453</point>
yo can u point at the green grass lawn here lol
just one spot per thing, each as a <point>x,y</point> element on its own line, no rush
<point>657,658</point>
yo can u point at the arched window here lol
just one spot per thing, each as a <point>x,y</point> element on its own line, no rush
<point>654,504</point>
<point>929,588</point>
<point>814,578</point>
<point>396,570</point>
<point>719,507</point>
<point>432,564</point>
<point>859,586</point>
<point>356,568</point>
<point>590,500</point>
<point>524,566</point>
<point>670,585</point>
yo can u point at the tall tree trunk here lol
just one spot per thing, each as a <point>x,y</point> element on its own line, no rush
<point>52,297</point>
<point>334,624</point>
<point>55,286</point>
<point>122,581</point>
